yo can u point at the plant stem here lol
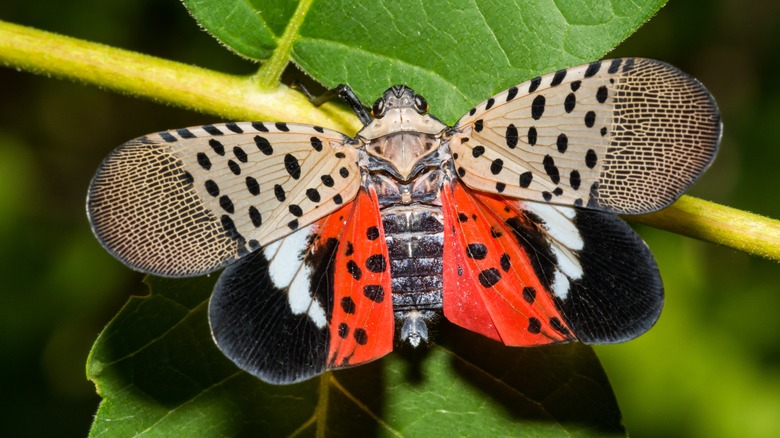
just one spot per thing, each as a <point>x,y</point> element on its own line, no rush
<point>719,224</point>
<point>239,98</point>
<point>271,71</point>
<point>227,96</point>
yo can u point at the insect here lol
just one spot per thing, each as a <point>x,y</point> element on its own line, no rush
<point>504,223</point>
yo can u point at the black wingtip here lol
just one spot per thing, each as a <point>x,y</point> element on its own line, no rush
<point>621,294</point>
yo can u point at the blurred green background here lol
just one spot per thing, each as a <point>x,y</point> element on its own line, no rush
<point>711,366</point>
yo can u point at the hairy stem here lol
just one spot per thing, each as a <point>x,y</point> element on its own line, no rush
<point>719,224</point>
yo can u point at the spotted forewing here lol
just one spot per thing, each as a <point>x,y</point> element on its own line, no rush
<point>504,223</point>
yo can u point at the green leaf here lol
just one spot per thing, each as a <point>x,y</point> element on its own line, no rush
<point>160,374</point>
<point>455,53</point>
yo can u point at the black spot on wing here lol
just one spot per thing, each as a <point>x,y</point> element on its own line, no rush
<point>212,130</point>
<point>292,166</point>
<point>558,78</point>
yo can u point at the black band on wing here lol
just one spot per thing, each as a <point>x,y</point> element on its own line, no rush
<point>253,325</point>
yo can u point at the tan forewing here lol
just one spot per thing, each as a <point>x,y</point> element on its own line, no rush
<point>624,135</point>
<point>189,201</point>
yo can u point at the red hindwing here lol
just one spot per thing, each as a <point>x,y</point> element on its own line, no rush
<point>362,326</point>
<point>490,286</point>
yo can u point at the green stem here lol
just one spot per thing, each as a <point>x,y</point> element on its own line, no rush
<point>227,96</point>
<point>271,71</point>
<point>719,224</point>
<point>239,98</point>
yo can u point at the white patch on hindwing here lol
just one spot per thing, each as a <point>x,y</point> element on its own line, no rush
<point>289,272</point>
<point>565,243</point>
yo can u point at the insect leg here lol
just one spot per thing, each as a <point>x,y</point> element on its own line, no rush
<point>341,91</point>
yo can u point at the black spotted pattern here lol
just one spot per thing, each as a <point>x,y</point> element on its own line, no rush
<point>529,294</point>
<point>512,136</point>
<point>168,137</point>
<point>217,147</point>
<point>296,210</point>
<point>227,204</point>
<point>211,129</point>
<point>592,69</point>
<point>263,145</point>
<point>343,330</point>
<point>615,66</point>
<point>477,151</point>
<point>252,185</point>
<point>360,335</point>
<point>376,263</point>
<point>240,154</point>
<point>292,166</point>
<point>574,179</point>
<point>185,133</point>
<point>348,305</point>
<point>602,94</point>
<point>537,107</point>
<point>316,143</point>
<point>234,127</point>
<point>234,167</point>
<point>504,261</point>
<point>476,251</point>
<point>489,277</point>
<point>313,195</point>
<point>534,325</point>
<point>558,78</point>
<point>279,193</point>
<point>525,179</point>
<point>532,136</point>
<point>562,143</point>
<point>372,233</point>
<point>203,160</point>
<point>255,217</point>
<point>212,188</point>
<point>496,166</point>
<point>354,270</point>
<point>327,180</point>
<point>570,102</point>
<point>535,82</point>
<point>551,169</point>
<point>590,119</point>
<point>590,158</point>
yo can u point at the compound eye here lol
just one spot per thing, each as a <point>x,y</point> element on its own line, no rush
<point>420,104</point>
<point>378,110</point>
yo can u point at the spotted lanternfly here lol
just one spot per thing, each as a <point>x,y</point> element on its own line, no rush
<point>505,223</point>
